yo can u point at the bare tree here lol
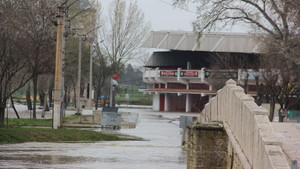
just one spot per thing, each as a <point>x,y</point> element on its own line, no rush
<point>233,62</point>
<point>274,18</point>
<point>281,80</point>
<point>13,72</point>
<point>43,89</point>
<point>101,73</point>
<point>276,24</point>
<point>34,19</point>
<point>123,33</point>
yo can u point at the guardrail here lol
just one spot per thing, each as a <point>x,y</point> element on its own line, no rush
<point>249,125</point>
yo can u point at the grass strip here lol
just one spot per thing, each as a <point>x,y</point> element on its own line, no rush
<point>21,135</point>
<point>30,122</point>
<point>37,122</point>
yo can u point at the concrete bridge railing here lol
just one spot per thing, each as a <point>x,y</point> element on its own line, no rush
<point>247,126</point>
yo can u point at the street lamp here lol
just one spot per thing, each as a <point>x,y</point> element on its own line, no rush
<point>91,75</point>
<point>79,73</point>
<point>78,103</point>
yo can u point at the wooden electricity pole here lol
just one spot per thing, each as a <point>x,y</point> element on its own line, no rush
<point>58,66</point>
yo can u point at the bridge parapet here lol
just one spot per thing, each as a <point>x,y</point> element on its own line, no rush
<point>248,124</point>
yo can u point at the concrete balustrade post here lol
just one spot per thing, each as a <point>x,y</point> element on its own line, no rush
<point>213,109</point>
<point>219,105</point>
<point>235,108</point>
<point>207,112</point>
<point>228,102</point>
<point>248,126</point>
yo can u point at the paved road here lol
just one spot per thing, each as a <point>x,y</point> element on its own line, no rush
<point>162,149</point>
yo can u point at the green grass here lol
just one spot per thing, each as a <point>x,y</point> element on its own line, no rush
<point>135,97</point>
<point>21,135</point>
<point>71,117</point>
<point>37,122</point>
<point>30,122</point>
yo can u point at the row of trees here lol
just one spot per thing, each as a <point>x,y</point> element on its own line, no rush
<point>276,24</point>
<point>130,76</point>
<point>28,38</point>
<point>26,45</point>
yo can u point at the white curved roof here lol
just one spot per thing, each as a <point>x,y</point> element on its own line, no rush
<point>210,42</point>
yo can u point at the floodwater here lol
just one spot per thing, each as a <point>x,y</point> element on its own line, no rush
<point>160,150</point>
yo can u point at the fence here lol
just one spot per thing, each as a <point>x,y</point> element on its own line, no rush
<point>293,116</point>
<point>249,125</point>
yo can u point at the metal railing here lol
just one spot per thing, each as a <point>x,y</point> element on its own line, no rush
<point>293,116</point>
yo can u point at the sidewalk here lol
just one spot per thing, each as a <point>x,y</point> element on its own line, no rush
<point>25,113</point>
<point>288,134</point>
<point>134,106</point>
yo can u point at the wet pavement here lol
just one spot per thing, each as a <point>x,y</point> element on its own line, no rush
<point>160,150</point>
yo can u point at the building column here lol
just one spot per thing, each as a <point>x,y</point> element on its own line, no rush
<point>166,102</point>
<point>188,100</point>
<point>188,103</point>
<point>156,102</point>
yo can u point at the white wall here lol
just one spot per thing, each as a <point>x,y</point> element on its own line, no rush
<point>156,102</point>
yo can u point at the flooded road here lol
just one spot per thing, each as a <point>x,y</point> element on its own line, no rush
<point>161,150</point>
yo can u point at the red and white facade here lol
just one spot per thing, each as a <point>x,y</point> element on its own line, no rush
<point>188,88</point>
<point>178,90</point>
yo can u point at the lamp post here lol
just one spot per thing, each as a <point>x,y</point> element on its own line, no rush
<point>91,76</point>
<point>78,105</point>
<point>79,70</point>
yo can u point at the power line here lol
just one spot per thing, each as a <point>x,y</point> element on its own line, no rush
<point>170,4</point>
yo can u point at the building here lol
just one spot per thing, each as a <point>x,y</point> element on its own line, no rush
<point>191,69</point>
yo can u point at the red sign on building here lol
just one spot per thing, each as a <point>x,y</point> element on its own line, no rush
<point>189,73</point>
<point>168,73</point>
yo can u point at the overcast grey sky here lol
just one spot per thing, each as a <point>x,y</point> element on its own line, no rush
<point>162,15</point>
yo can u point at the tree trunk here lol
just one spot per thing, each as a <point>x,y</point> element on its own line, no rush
<point>34,95</point>
<point>44,105</point>
<point>2,113</point>
<point>259,91</point>
<point>96,103</point>
<point>246,83</point>
<point>28,100</point>
<point>42,97</point>
<point>13,106</point>
<point>50,96</point>
<point>66,97</point>
<point>75,96</point>
<point>272,108</point>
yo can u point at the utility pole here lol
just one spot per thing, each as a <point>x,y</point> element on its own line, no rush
<point>91,75</point>
<point>111,93</point>
<point>78,105</point>
<point>63,58</point>
<point>81,35</point>
<point>58,66</point>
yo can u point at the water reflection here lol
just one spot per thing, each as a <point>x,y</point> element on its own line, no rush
<point>162,150</point>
